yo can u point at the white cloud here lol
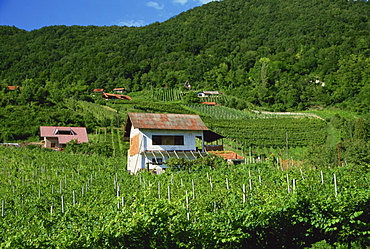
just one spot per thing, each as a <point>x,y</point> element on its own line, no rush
<point>206,1</point>
<point>182,2</point>
<point>155,5</point>
<point>132,23</point>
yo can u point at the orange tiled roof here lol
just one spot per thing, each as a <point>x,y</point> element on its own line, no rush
<point>209,103</point>
<point>12,88</point>
<point>227,154</point>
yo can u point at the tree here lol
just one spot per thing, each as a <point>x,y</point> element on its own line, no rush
<point>191,97</point>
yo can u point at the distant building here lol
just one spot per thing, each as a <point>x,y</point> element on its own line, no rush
<point>13,88</point>
<point>119,90</point>
<point>56,137</point>
<point>156,137</point>
<point>208,93</point>
<point>98,90</point>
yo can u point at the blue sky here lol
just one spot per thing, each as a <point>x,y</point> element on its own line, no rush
<point>35,14</point>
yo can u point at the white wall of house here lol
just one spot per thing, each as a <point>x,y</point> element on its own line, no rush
<point>51,142</point>
<point>135,163</point>
<point>189,139</point>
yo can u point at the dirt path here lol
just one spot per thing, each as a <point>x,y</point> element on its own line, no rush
<point>301,114</point>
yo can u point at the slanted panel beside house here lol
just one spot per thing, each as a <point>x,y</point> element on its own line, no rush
<point>134,145</point>
<point>156,137</point>
<point>56,137</point>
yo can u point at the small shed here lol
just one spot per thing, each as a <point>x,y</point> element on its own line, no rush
<point>57,137</point>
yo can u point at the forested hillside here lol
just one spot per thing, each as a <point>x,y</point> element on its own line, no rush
<point>280,55</point>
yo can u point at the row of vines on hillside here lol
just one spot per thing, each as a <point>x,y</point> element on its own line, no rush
<point>272,132</point>
<point>167,94</point>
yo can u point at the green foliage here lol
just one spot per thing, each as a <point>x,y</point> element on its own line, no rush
<point>190,98</point>
<point>208,162</point>
<point>55,199</point>
<point>167,94</point>
<point>101,149</point>
<point>356,151</point>
<point>272,132</point>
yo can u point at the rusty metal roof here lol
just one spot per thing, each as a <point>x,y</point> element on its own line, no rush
<point>165,121</point>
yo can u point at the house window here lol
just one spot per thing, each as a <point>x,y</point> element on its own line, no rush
<point>64,132</point>
<point>158,161</point>
<point>167,140</point>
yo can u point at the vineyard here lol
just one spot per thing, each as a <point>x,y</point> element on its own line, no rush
<point>223,112</point>
<point>167,94</point>
<point>273,132</point>
<point>253,129</point>
<point>246,129</point>
<point>58,200</point>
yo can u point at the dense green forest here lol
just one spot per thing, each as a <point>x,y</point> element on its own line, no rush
<point>285,55</point>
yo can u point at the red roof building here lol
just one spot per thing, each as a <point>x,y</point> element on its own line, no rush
<point>98,90</point>
<point>56,137</point>
<point>13,88</point>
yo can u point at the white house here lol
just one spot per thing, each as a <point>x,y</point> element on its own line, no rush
<point>208,93</point>
<point>155,137</point>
